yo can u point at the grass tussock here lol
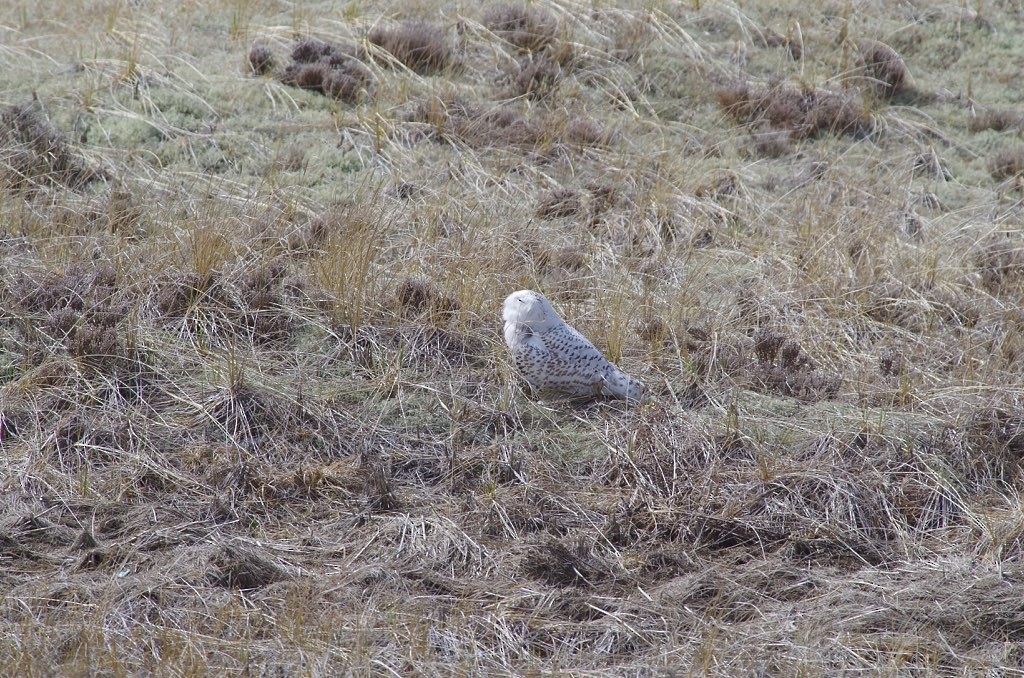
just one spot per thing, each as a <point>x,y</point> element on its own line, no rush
<point>803,112</point>
<point>334,71</point>
<point>260,59</point>
<point>884,67</point>
<point>34,152</point>
<point>998,120</point>
<point>530,29</point>
<point>256,410</point>
<point>536,77</point>
<point>422,47</point>
<point>1007,164</point>
<point>452,119</point>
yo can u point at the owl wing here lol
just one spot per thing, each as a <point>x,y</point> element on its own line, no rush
<point>574,363</point>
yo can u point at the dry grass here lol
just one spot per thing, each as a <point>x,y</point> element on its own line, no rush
<point>256,415</point>
<point>420,46</point>
<point>529,29</point>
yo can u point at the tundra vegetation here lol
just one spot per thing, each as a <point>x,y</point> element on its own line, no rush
<point>256,415</point>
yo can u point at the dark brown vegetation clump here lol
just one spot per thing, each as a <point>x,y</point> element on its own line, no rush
<point>254,308</point>
<point>422,47</point>
<point>883,66</point>
<point>528,28</point>
<point>1000,432</point>
<point>452,119</point>
<point>1007,164</point>
<point>244,568</point>
<point>416,296</point>
<point>333,70</point>
<point>536,77</point>
<point>585,131</point>
<point>575,565</point>
<point>559,203</point>
<point>32,151</point>
<point>771,143</point>
<point>1000,260</point>
<point>805,112</point>
<point>930,164</point>
<point>80,309</point>
<point>125,213</point>
<point>312,50</point>
<point>997,119</point>
<point>260,59</point>
<point>783,367</point>
<point>263,310</point>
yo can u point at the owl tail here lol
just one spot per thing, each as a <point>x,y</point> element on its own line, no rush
<point>618,384</point>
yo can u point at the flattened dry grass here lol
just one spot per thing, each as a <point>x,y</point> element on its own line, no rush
<point>255,410</point>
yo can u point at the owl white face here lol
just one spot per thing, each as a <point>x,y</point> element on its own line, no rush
<point>530,309</point>
<point>527,313</point>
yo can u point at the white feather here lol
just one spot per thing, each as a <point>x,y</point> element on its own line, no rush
<point>553,356</point>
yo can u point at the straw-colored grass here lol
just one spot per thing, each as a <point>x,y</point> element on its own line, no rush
<point>256,415</point>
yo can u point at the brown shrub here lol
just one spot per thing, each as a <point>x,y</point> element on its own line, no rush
<point>290,75</point>
<point>767,345</point>
<point>311,76</point>
<point>890,363</point>
<point>263,317</point>
<point>1007,164</point>
<point>884,66</point>
<point>416,296</point>
<point>804,112</point>
<point>124,213</point>
<point>454,119</point>
<point>785,369</point>
<point>569,259</point>
<point>238,568</point>
<point>530,29</point>
<point>653,329</point>
<point>996,119</point>
<point>556,564</point>
<point>32,150</point>
<point>630,37</point>
<point>311,50</point>
<point>780,104</point>
<point>174,297</point>
<point>588,132</point>
<point>80,308</point>
<point>333,70</point>
<point>772,143</point>
<point>77,288</point>
<point>343,86</point>
<point>422,47</point>
<point>536,77</point>
<point>836,113</point>
<point>1000,261</point>
<point>403,190</point>
<point>260,60</point>
<point>559,203</point>
<point>994,443</point>
<point>94,343</point>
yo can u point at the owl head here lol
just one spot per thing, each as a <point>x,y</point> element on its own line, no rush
<point>527,310</point>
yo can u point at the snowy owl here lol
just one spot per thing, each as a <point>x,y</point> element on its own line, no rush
<point>553,357</point>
